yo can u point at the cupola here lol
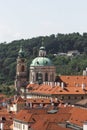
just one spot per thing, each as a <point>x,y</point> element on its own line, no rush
<point>42,51</point>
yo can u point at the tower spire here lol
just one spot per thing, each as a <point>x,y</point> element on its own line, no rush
<point>42,41</point>
<point>21,72</point>
<point>21,52</point>
<point>42,51</point>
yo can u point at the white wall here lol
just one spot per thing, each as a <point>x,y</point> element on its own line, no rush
<point>85,126</point>
<point>20,126</point>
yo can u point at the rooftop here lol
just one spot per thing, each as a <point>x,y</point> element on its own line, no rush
<point>67,85</point>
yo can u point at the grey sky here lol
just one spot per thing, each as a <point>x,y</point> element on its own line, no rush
<point>30,18</point>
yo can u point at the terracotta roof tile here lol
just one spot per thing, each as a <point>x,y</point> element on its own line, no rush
<point>78,116</point>
<point>72,85</point>
<point>23,115</point>
<point>19,100</point>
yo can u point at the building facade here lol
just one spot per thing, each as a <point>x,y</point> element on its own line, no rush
<point>42,68</point>
<point>21,72</point>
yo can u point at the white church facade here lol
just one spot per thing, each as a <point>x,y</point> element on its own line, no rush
<point>42,68</point>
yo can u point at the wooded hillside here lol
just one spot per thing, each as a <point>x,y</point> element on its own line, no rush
<point>54,44</point>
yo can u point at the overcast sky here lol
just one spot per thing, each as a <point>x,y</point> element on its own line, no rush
<point>22,19</point>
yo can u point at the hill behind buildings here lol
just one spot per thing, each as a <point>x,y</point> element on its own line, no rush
<point>55,45</point>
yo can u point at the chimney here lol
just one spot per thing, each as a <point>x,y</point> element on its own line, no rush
<point>48,83</point>
<point>83,86</point>
<point>86,69</point>
<point>30,104</point>
<point>58,83</point>
<point>55,83</point>
<point>62,85</point>
<point>1,126</point>
<point>84,72</point>
<point>44,83</point>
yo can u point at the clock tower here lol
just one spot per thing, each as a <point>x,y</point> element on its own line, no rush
<point>21,73</point>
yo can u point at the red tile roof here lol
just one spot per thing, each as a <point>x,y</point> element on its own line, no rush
<point>24,116</point>
<point>42,120</point>
<point>78,116</point>
<point>72,85</point>
<point>46,125</point>
<point>8,116</point>
<point>19,100</point>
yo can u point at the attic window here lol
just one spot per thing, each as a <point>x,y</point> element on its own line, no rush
<point>77,90</point>
<point>10,118</point>
<point>60,90</point>
<point>3,118</point>
<point>33,119</point>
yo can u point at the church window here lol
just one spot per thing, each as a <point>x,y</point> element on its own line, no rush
<point>36,76</point>
<point>46,76</point>
<point>22,68</point>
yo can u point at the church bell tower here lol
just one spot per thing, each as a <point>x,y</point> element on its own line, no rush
<point>21,72</point>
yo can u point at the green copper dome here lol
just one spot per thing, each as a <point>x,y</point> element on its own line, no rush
<point>41,61</point>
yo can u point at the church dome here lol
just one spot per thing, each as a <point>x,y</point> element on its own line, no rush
<point>41,61</point>
<point>42,48</point>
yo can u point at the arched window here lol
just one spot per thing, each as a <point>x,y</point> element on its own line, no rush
<point>36,76</point>
<point>22,68</point>
<point>46,76</point>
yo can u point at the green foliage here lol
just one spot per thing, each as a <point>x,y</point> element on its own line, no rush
<point>7,90</point>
